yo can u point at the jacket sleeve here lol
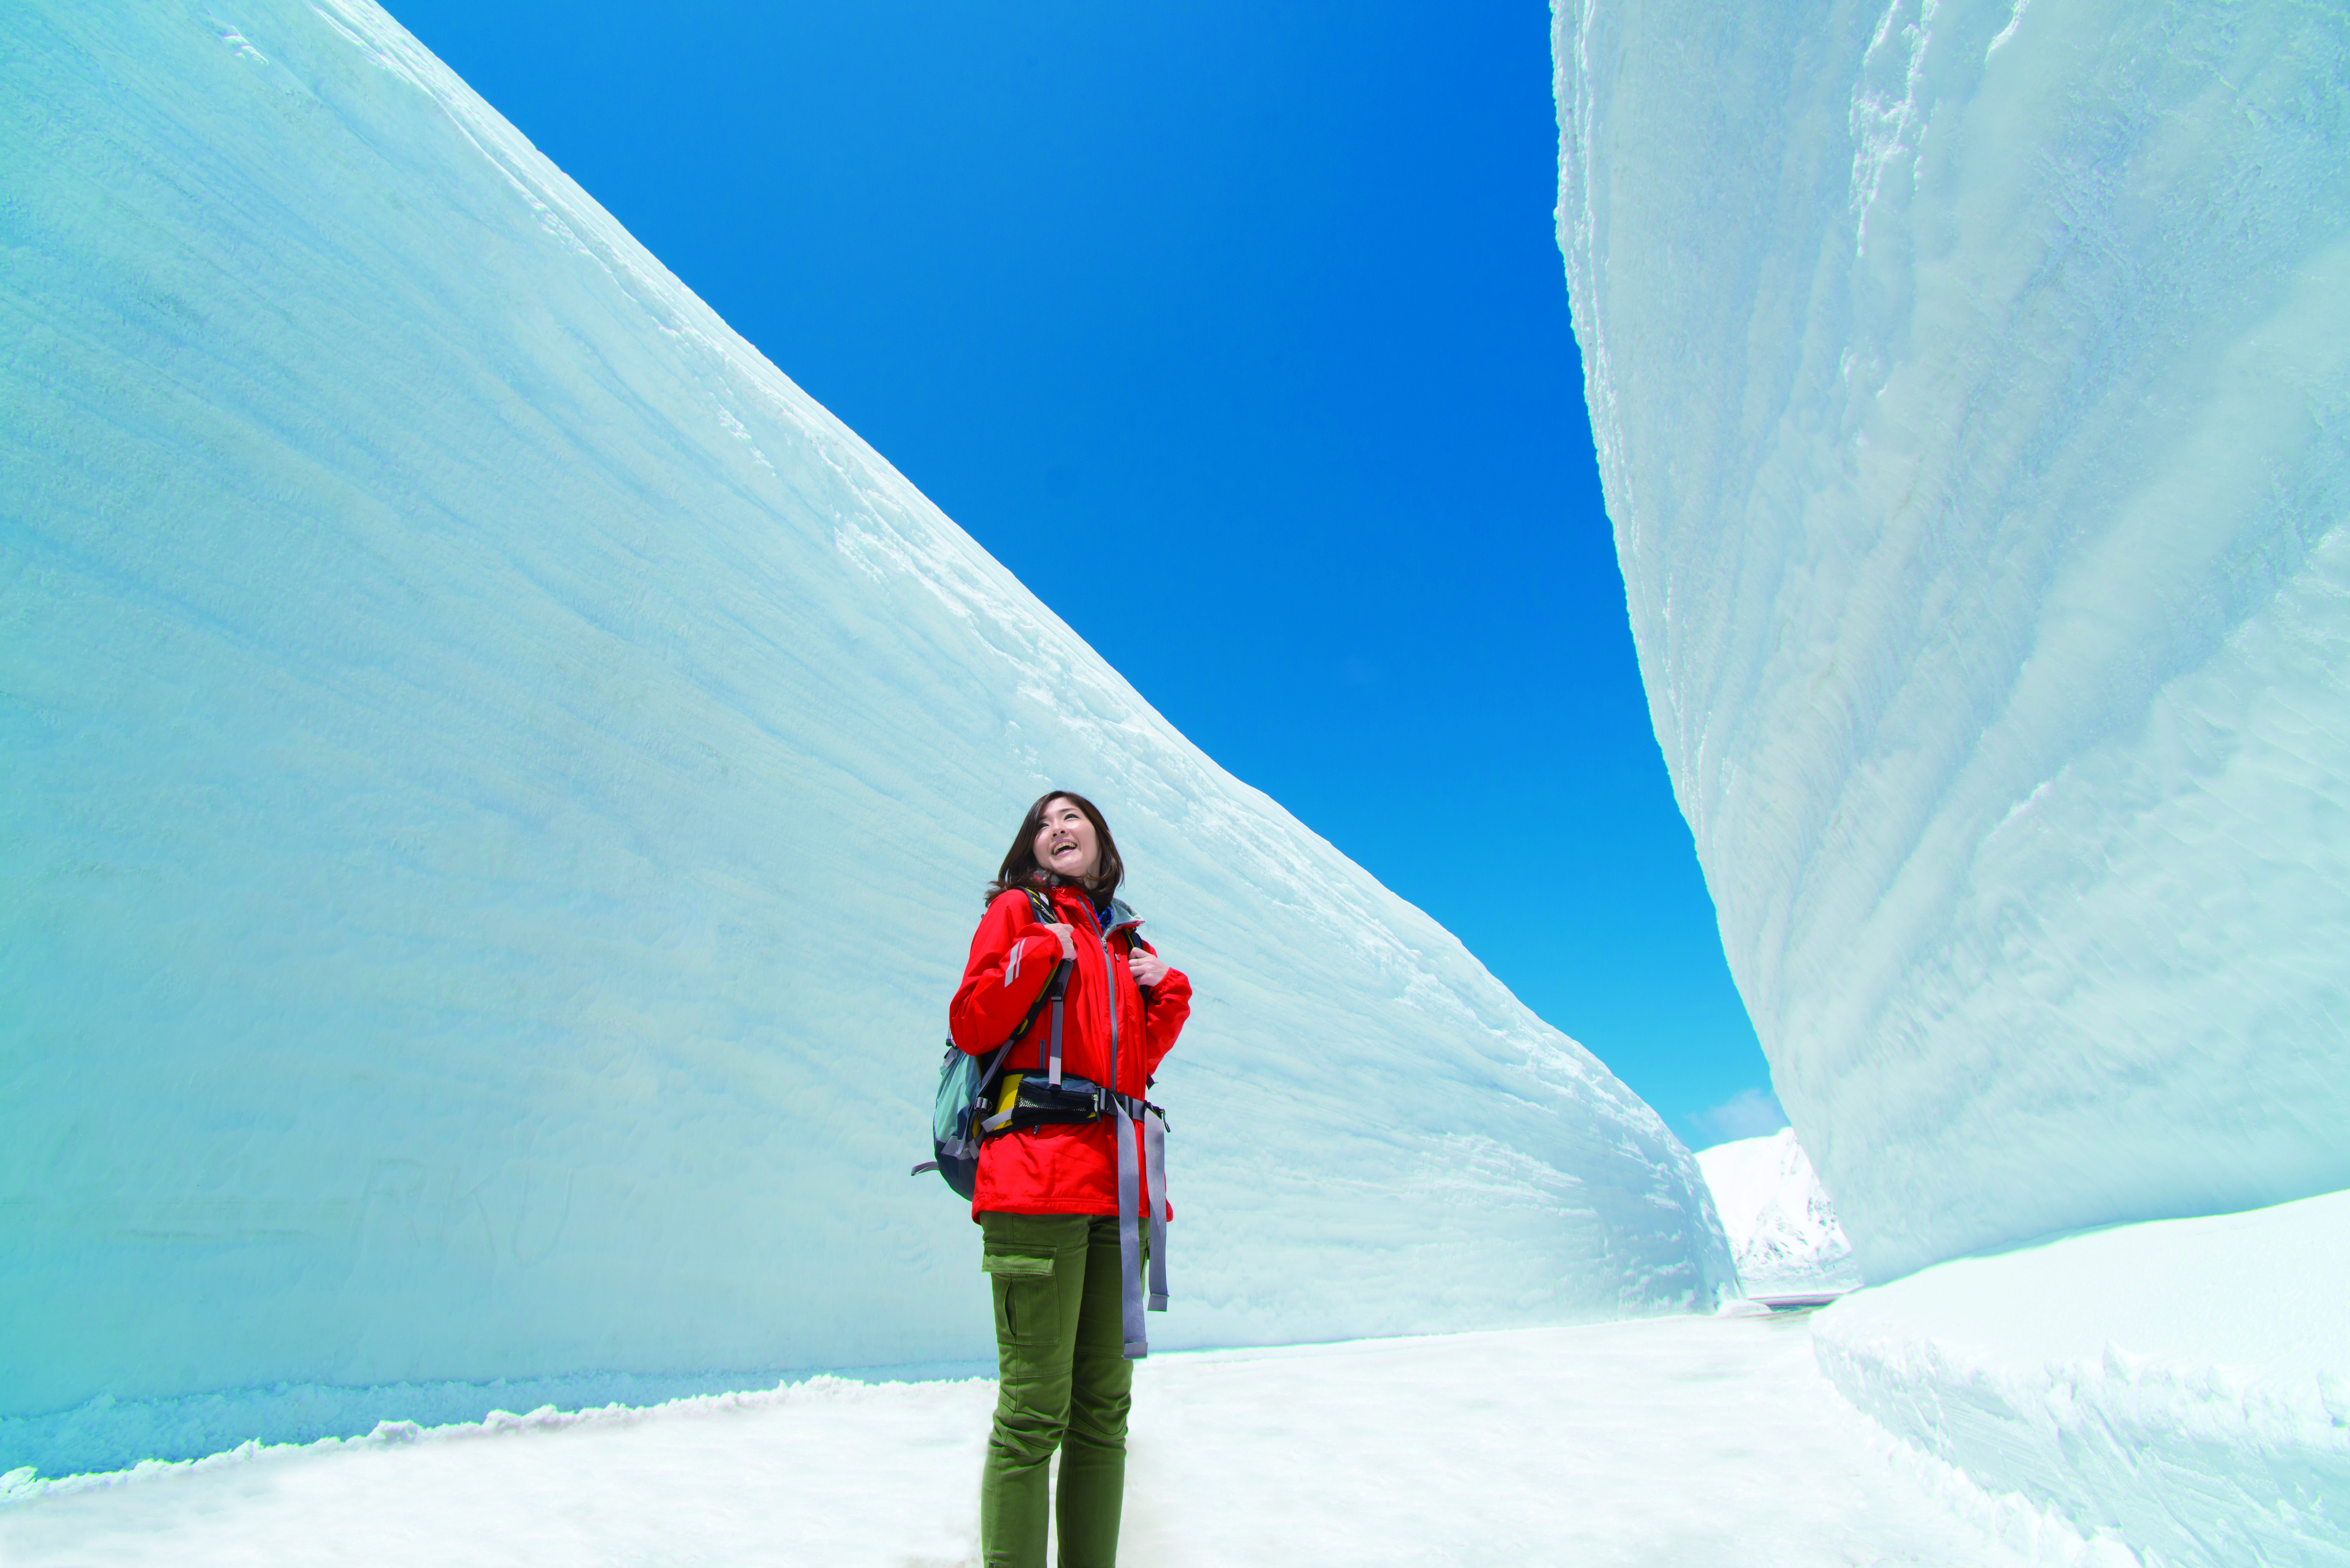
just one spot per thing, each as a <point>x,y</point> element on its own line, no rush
<point>1165,1007</point>
<point>1011,960</point>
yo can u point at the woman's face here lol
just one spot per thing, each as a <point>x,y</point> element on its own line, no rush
<point>1066,843</point>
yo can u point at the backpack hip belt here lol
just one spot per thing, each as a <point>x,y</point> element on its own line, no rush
<point>1027,1100</point>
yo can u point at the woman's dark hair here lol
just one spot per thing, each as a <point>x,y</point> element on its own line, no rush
<point>1020,868</point>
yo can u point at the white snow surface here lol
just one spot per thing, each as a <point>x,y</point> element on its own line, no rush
<point>1689,1441</point>
<point>1783,1229</point>
<point>499,784</point>
<point>1970,381</point>
<point>2183,1384</point>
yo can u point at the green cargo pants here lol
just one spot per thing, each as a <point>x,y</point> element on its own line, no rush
<point>1063,1381</point>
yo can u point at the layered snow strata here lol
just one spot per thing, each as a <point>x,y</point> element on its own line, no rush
<point>2183,1383</point>
<point>499,784</point>
<point>1970,383</point>
<point>1782,1231</point>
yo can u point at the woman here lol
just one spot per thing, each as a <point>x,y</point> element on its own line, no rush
<point>1067,1307</point>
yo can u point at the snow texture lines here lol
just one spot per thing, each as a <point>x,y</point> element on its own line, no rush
<point>1971,388</point>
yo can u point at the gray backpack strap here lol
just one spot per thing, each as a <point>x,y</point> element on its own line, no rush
<point>1060,986</point>
<point>1152,1135</point>
<point>1042,907</point>
<point>1057,988</point>
<point>1154,1165</point>
<point>1129,1240</point>
<point>1132,1304</point>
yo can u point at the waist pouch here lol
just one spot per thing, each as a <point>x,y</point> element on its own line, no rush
<point>1032,1100</point>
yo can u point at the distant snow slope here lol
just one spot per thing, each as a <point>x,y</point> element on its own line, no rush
<point>1972,386</point>
<point>1783,1229</point>
<point>2185,1382</point>
<point>498,786</point>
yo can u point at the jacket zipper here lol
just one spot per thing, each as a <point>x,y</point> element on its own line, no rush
<point>1109,966</point>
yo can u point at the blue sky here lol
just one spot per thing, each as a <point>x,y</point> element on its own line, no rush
<point>1240,334</point>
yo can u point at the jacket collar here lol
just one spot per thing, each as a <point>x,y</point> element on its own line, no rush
<point>1121,913</point>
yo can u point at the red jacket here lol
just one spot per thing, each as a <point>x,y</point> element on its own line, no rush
<point>1063,1170</point>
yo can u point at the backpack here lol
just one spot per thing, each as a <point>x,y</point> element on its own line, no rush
<point>965,1085</point>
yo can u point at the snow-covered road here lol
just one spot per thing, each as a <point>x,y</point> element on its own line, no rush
<point>1684,1441</point>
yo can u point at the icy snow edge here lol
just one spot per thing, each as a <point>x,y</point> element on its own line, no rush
<point>24,1483</point>
<point>2184,1383</point>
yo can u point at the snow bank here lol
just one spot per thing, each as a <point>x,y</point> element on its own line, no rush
<point>1783,1229</point>
<point>1969,380</point>
<point>2185,1382</point>
<point>499,783</point>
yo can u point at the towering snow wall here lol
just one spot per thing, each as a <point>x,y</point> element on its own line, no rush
<point>1972,387</point>
<point>498,789</point>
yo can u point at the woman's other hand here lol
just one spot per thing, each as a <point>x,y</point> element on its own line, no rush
<point>1149,968</point>
<point>1069,943</point>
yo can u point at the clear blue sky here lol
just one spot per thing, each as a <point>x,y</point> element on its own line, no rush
<point>1239,333</point>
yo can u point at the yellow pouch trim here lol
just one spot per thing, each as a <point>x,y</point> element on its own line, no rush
<point>1010,1094</point>
<point>1016,1266</point>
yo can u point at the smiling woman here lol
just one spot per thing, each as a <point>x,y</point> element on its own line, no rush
<point>1064,836</point>
<point>1069,1177</point>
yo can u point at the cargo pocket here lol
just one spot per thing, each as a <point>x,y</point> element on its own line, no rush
<point>1027,1307</point>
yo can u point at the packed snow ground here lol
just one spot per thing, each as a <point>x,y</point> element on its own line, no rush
<point>1689,1441</point>
<point>1784,1232</point>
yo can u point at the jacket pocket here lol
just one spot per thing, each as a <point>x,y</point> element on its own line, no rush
<point>1027,1302</point>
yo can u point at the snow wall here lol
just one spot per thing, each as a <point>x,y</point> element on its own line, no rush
<point>499,788</point>
<point>1971,387</point>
